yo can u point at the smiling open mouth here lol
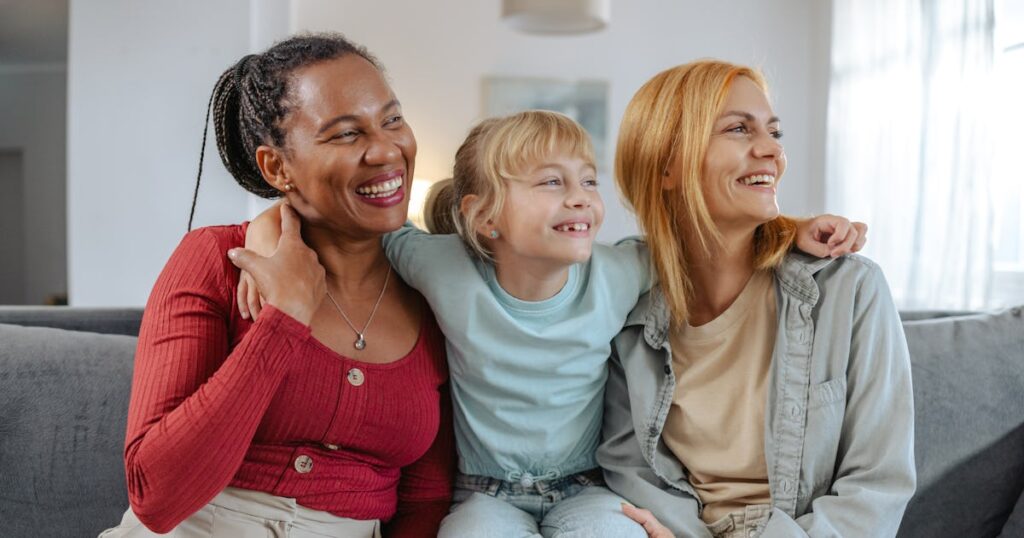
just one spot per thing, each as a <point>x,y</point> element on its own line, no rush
<point>758,180</point>
<point>383,189</point>
<point>573,227</point>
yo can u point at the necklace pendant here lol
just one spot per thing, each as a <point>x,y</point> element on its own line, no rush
<point>360,343</point>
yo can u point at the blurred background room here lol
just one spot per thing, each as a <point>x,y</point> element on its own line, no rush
<point>904,114</point>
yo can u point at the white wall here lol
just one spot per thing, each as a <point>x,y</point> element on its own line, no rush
<point>32,120</point>
<point>437,52</point>
<point>140,74</point>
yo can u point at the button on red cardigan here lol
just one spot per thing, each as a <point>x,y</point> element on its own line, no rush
<point>219,401</point>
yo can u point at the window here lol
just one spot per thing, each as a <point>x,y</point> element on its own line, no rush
<point>1008,170</point>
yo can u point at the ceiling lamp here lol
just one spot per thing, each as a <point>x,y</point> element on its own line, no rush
<point>556,16</point>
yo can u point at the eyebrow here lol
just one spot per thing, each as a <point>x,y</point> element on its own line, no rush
<point>554,165</point>
<point>747,116</point>
<point>352,117</point>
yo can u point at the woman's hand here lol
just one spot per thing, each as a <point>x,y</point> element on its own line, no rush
<point>291,279</point>
<point>830,236</point>
<point>646,520</point>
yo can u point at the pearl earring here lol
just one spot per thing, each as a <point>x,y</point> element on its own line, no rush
<point>288,187</point>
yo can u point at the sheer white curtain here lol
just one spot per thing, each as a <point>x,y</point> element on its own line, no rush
<point>908,142</point>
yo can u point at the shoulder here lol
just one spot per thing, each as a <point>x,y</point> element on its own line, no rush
<point>844,290</point>
<point>201,256</point>
<point>801,272</point>
<point>198,276</point>
<point>854,271</point>
<point>633,243</point>
<point>410,239</point>
<point>630,252</point>
<point>213,238</point>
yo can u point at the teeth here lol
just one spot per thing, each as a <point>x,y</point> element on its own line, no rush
<point>574,227</point>
<point>381,190</point>
<point>760,179</point>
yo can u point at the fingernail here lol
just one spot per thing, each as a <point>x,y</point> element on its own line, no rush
<point>245,315</point>
<point>232,253</point>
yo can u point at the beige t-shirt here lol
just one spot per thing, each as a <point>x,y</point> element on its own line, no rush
<point>716,424</point>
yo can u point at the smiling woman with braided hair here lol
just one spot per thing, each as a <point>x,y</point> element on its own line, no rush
<point>313,420</point>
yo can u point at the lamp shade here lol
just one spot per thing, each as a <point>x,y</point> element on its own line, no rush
<point>556,16</point>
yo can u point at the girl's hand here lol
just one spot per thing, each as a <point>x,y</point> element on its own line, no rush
<point>830,236</point>
<point>250,302</point>
<point>647,520</point>
<point>261,237</point>
<point>291,279</point>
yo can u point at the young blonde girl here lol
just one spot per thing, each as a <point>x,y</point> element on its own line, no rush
<point>529,304</point>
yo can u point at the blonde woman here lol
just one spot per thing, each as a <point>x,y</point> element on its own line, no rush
<point>756,391</point>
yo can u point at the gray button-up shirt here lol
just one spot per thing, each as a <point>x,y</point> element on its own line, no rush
<point>839,420</point>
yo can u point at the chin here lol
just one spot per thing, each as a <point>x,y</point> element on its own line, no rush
<point>578,257</point>
<point>766,215</point>
<point>397,218</point>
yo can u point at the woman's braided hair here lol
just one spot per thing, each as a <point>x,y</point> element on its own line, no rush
<point>251,98</point>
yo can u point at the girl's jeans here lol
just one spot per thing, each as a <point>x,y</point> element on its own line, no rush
<point>572,506</point>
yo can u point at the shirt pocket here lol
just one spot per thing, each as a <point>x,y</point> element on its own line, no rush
<point>826,407</point>
<point>827,393</point>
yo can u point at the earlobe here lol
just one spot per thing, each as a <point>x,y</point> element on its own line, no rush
<point>487,229</point>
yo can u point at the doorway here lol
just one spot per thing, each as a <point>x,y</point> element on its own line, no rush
<point>12,228</point>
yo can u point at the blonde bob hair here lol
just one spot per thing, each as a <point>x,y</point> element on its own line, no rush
<point>495,151</point>
<point>668,123</point>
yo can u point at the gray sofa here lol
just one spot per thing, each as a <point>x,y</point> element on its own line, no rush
<point>65,375</point>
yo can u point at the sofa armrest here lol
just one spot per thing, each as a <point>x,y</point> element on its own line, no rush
<point>95,320</point>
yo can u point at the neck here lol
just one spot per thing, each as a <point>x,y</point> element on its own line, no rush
<point>530,281</point>
<point>719,277</point>
<point>352,265</point>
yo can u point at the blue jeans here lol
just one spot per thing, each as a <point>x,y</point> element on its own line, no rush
<point>573,506</point>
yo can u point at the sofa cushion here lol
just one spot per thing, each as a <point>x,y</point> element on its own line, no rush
<point>63,407</point>
<point>968,376</point>
<point>1015,525</point>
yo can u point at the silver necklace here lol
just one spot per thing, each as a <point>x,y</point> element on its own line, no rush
<point>360,342</point>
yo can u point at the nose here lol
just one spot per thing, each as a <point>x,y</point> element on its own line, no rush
<point>577,197</point>
<point>382,149</point>
<point>767,146</point>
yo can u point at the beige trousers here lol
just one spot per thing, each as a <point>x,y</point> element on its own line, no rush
<point>241,513</point>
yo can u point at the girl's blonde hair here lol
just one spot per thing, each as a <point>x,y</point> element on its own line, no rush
<point>495,151</point>
<point>670,120</point>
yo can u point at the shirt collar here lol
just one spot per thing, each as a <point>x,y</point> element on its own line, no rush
<point>795,275</point>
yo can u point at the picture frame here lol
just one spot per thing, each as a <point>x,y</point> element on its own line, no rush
<point>585,101</point>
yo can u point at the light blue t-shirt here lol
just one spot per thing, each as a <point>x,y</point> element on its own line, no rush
<point>527,378</point>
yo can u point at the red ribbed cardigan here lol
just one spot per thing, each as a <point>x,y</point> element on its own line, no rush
<point>219,401</point>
